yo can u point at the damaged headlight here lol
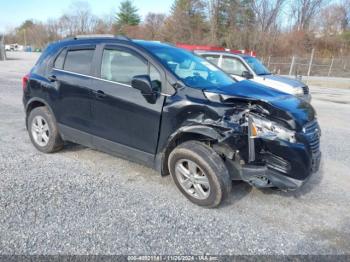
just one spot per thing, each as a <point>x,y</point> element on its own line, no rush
<point>298,91</point>
<point>264,128</point>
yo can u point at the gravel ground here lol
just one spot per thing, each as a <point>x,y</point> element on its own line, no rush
<point>80,201</point>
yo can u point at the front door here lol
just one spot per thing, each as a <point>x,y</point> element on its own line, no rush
<point>234,67</point>
<point>121,114</point>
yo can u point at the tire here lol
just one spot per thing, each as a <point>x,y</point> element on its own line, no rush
<point>209,164</point>
<point>48,132</point>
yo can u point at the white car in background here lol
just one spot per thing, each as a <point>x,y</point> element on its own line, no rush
<point>243,67</point>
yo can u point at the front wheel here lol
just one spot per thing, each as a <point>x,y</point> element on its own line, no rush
<point>200,173</point>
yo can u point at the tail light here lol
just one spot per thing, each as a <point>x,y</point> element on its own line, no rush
<point>25,80</point>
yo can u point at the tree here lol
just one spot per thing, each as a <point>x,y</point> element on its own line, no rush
<point>26,25</point>
<point>333,19</point>
<point>53,29</point>
<point>79,20</point>
<point>240,23</point>
<point>216,20</point>
<point>266,15</point>
<point>103,26</point>
<point>186,22</point>
<point>267,12</point>
<point>127,14</point>
<point>153,24</point>
<point>304,11</point>
<point>231,22</point>
<point>345,4</point>
<point>31,33</point>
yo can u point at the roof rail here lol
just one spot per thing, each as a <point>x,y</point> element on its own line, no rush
<point>92,36</point>
<point>119,37</point>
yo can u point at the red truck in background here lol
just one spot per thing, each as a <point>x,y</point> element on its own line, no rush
<point>214,48</point>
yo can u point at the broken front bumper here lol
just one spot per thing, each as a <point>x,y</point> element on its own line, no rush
<point>263,176</point>
<point>281,164</point>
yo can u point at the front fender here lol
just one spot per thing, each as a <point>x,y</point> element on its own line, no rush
<point>185,131</point>
<point>207,131</point>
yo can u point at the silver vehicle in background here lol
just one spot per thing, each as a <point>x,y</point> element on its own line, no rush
<point>242,67</point>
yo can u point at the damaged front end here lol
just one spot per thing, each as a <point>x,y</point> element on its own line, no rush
<point>260,143</point>
<point>277,150</point>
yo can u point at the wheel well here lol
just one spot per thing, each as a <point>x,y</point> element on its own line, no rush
<point>177,140</point>
<point>31,106</point>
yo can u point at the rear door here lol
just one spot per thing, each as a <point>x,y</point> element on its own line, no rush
<point>121,114</point>
<point>72,79</point>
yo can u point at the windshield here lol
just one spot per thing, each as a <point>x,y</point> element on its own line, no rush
<point>193,70</point>
<point>257,66</point>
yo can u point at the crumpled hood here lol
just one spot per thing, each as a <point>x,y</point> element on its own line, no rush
<point>285,80</point>
<point>279,104</point>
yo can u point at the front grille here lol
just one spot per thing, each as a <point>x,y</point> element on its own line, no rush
<point>310,127</point>
<point>312,132</point>
<point>306,90</point>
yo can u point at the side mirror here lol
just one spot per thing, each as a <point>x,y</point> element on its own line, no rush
<point>247,75</point>
<point>144,84</point>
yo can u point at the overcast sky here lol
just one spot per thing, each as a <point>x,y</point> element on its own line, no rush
<point>14,12</point>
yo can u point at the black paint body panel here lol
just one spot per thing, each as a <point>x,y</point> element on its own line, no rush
<point>120,120</point>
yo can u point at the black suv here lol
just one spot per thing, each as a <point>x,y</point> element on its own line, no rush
<point>167,108</point>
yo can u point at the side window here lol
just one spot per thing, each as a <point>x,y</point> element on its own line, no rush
<point>79,61</point>
<point>214,59</point>
<point>121,66</point>
<point>60,60</point>
<point>233,66</point>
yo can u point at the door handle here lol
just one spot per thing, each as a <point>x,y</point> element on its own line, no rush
<point>52,78</point>
<point>99,93</point>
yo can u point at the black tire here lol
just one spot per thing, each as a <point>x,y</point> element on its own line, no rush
<point>210,163</point>
<point>55,142</point>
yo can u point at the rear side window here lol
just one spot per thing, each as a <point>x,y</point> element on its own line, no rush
<point>60,60</point>
<point>79,61</point>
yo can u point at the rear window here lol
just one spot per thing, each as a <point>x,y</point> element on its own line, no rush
<point>79,61</point>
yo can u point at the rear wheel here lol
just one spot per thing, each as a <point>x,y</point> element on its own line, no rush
<point>43,130</point>
<point>200,173</point>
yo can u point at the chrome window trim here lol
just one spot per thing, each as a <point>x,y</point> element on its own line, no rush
<point>97,78</point>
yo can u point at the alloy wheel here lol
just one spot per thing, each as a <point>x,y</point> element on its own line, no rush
<point>40,131</point>
<point>192,179</point>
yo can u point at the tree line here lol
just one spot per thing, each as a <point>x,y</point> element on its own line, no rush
<point>270,27</point>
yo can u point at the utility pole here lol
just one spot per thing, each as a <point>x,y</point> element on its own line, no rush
<point>291,66</point>
<point>330,68</point>
<point>310,64</point>
<point>2,48</point>
<point>25,38</point>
